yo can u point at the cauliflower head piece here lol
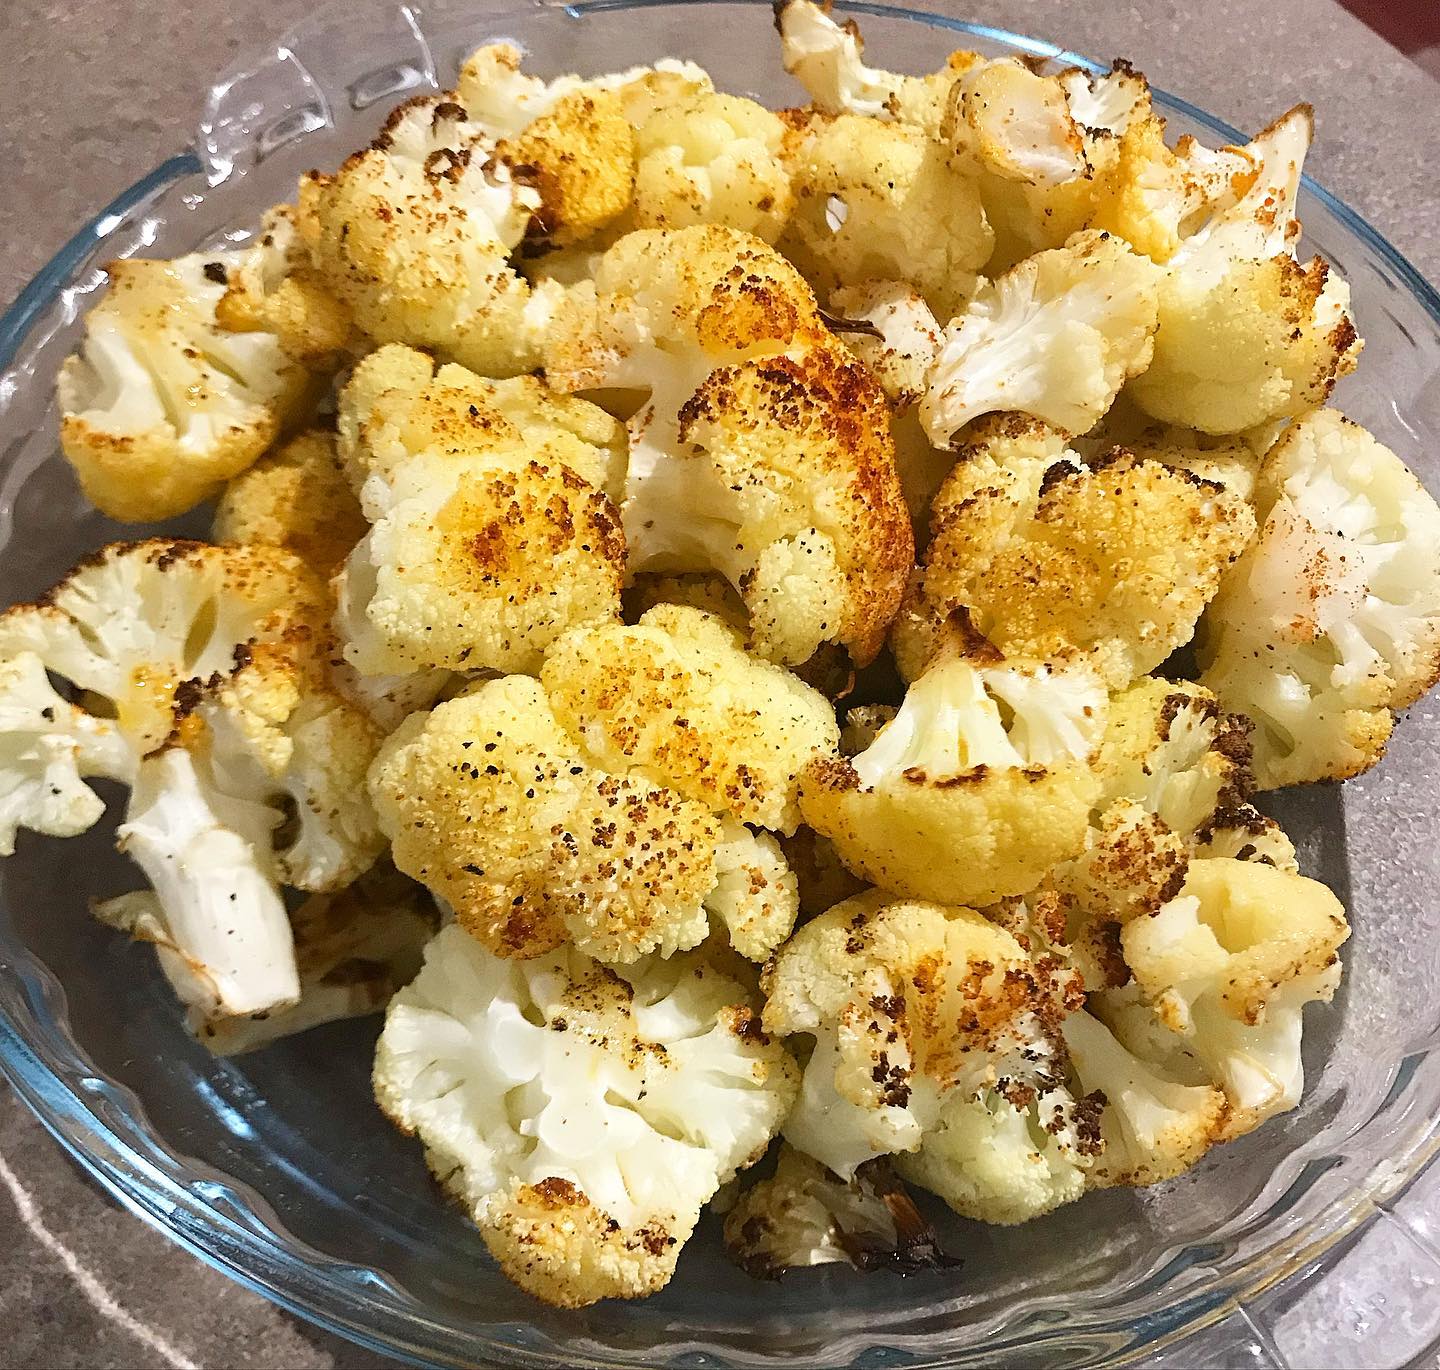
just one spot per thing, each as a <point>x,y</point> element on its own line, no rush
<point>298,498</point>
<point>1331,620</point>
<point>762,450</point>
<point>936,1041</point>
<point>877,200</point>
<point>487,542</point>
<point>676,699</point>
<point>1115,559</point>
<point>951,801</point>
<point>415,232</point>
<point>712,159</point>
<point>582,1115</point>
<point>1055,337</point>
<point>163,403</point>
<point>1222,973</point>
<point>1246,334</point>
<point>500,811</point>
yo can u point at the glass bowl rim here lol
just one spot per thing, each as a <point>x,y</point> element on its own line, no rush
<point>103,1126</point>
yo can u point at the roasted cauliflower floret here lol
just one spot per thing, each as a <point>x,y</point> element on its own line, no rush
<point>162,403</point>
<point>1152,1126</point>
<point>1246,333</point>
<point>1332,619</point>
<point>675,699</point>
<point>487,542</point>
<point>1055,337</point>
<point>888,325</point>
<point>712,159</point>
<point>805,1215</point>
<point>936,1040</point>
<point>1222,973</point>
<point>414,233</point>
<point>582,1116</point>
<point>952,803</point>
<point>48,749</point>
<point>762,451</point>
<point>297,498</point>
<point>1116,559</point>
<point>877,200</point>
<point>1172,749</point>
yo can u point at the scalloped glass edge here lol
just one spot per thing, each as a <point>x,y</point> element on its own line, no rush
<point>229,1227</point>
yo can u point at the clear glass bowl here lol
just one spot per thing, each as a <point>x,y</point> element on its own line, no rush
<point>277,1167</point>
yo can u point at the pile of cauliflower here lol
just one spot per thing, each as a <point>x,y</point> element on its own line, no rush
<point>691,632</point>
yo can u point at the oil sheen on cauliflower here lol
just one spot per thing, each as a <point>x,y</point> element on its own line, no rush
<point>761,450</point>
<point>956,801</point>
<point>1115,559</point>
<point>935,1041</point>
<point>1332,619</point>
<point>582,1116</point>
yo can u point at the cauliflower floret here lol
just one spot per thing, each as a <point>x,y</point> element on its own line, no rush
<point>880,201</point>
<point>1172,749</point>
<point>825,57</point>
<point>675,699</point>
<point>271,286</point>
<point>1332,619</point>
<point>162,404</point>
<point>1112,103</point>
<point>580,156</point>
<point>1152,1127</point>
<point>297,498</point>
<point>1243,832</point>
<point>1132,863</point>
<point>504,101</point>
<point>756,895</point>
<point>804,1215</point>
<point>135,622</point>
<point>353,950</point>
<point>414,233</point>
<point>48,748</point>
<point>1224,969</point>
<point>488,541</point>
<point>582,1116</point>
<point>951,802</point>
<point>712,159</point>
<point>1007,121</point>
<point>762,451</point>
<point>492,805</point>
<point>1055,337</point>
<point>888,325</point>
<point>1155,197</point>
<point>1246,333</point>
<point>935,1035</point>
<point>705,590</point>
<point>1116,559</point>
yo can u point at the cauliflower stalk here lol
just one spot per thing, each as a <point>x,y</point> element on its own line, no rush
<point>583,1116</point>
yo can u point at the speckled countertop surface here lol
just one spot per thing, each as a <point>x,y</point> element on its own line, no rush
<point>95,92</point>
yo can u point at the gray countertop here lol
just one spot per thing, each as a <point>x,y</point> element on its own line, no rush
<point>95,92</point>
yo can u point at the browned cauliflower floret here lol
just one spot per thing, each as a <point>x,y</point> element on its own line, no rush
<point>1116,559</point>
<point>415,232</point>
<point>582,1116</point>
<point>878,200</point>
<point>492,534</point>
<point>762,450</point>
<point>298,498</point>
<point>674,698</point>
